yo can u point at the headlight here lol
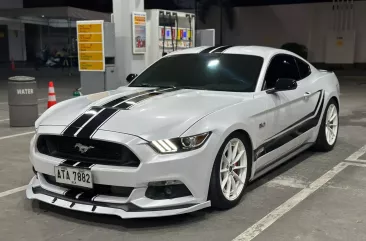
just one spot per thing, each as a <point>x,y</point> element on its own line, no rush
<point>180,144</point>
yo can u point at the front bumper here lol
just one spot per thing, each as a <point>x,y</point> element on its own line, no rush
<point>36,191</point>
<point>193,169</point>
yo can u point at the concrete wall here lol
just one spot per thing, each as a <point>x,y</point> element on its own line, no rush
<point>16,34</point>
<point>275,25</point>
<point>11,3</point>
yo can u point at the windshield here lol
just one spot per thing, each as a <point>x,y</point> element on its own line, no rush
<point>220,72</point>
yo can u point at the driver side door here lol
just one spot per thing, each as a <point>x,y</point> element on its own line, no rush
<point>284,109</point>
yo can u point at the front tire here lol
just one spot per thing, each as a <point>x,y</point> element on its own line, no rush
<point>231,172</point>
<point>328,132</point>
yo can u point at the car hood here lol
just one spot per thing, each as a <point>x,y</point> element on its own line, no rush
<point>166,115</point>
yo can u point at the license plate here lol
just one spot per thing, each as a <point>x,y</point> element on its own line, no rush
<point>74,176</point>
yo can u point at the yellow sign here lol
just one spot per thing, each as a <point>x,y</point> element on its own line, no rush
<point>139,20</point>
<point>90,28</point>
<point>339,42</point>
<point>93,37</point>
<point>98,56</point>
<point>91,65</point>
<point>90,45</point>
<point>138,32</point>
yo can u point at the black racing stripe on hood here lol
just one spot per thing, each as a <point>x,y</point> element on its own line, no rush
<point>126,97</point>
<point>89,122</point>
<point>80,121</point>
<point>134,101</point>
<point>74,127</point>
<point>88,130</point>
<point>103,116</point>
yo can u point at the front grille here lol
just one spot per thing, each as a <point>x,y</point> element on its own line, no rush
<point>101,152</point>
<point>98,189</point>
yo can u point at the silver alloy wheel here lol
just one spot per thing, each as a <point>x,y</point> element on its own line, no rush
<point>331,125</point>
<point>233,169</point>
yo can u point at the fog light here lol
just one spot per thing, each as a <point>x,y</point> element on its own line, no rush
<point>167,190</point>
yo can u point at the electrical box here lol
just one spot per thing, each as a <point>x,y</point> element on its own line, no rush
<point>168,31</point>
<point>340,47</point>
<point>205,37</point>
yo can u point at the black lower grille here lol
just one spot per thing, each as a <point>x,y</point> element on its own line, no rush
<point>98,189</point>
<point>87,150</point>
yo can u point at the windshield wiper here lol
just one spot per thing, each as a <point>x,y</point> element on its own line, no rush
<point>192,87</point>
<point>155,86</point>
<point>171,86</point>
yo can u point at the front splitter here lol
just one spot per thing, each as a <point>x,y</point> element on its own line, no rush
<point>107,210</point>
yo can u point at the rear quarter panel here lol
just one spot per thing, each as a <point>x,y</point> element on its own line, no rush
<point>328,82</point>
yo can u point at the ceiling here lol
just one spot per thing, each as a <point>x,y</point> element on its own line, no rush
<point>186,4</point>
<point>106,5</point>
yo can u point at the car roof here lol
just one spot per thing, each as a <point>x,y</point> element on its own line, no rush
<point>265,52</point>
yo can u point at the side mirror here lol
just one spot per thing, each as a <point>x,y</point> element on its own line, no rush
<point>283,84</point>
<point>131,77</point>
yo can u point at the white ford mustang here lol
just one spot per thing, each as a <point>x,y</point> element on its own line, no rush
<point>190,132</point>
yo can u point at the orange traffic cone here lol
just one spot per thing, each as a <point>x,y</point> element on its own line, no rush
<point>12,64</point>
<point>51,95</point>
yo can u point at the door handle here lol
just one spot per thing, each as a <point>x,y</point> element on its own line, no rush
<point>306,95</point>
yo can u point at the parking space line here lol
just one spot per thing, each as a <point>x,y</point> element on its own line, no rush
<point>12,191</point>
<point>357,164</point>
<point>277,213</point>
<point>356,161</point>
<point>16,135</point>
<point>357,154</point>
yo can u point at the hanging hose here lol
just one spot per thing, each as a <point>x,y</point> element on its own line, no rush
<point>163,14</point>
<point>171,29</point>
<point>190,29</point>
<point>176,30</point>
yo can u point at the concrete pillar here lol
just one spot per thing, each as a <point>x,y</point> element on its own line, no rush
<point>126,61</point>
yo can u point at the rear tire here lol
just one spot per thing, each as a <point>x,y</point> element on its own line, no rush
<point>231,172</point>
<point>328,131</point>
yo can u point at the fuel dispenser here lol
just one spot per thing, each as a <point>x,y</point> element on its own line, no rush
<point>168,31</point>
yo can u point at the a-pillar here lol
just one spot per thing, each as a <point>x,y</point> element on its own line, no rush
<point>126,61</point>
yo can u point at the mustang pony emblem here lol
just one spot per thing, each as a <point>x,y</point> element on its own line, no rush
<point>83,149</point>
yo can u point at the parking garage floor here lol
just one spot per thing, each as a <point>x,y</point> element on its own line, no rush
<point>314,196</point>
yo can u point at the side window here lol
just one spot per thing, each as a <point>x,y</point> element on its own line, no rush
<point>304,68</point>
<point>281,66</point>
